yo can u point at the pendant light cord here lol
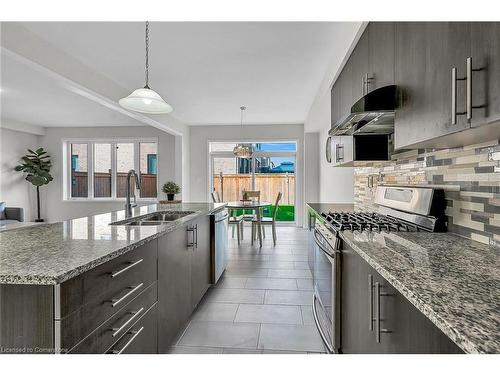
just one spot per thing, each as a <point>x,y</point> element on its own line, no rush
<point>147,55</point>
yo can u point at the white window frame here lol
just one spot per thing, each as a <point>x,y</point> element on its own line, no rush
<point>66,150</point>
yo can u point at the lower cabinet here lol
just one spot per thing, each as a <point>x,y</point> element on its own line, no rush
<point>376,318</point>
<point>183,277</point>
<point>200,261</point>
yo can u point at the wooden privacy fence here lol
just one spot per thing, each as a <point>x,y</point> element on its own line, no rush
<point>102,185</point>
<point>230,186</point>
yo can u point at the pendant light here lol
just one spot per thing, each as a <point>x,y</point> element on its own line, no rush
<point>243,151</point>
<point>144,99</point>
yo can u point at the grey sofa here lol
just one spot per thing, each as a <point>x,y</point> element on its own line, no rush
<point>11,215</point>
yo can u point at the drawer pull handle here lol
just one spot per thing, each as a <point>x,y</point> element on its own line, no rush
<point>117,301</point>
<point>114,274</point>
<point>136,333</point>
<point>135,314</point>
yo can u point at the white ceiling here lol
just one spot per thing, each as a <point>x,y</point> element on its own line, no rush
<point>206,71</point>
<point>33,98</point>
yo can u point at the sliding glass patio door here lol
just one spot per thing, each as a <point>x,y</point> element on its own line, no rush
<point>271,170</point>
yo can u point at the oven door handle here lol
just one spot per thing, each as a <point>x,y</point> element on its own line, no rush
<point>320,245</point>
<point>318,326</point>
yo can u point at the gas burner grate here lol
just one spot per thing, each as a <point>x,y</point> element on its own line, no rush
<point>371,221</point>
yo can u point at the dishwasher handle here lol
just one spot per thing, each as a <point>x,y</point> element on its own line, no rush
<point>218,220</point>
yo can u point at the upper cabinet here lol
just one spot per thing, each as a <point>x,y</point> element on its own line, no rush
<point>381,54</point>
<point>485,80</point>
<point>448,75</point>
<point>359,65</point>
<point>426,53</point>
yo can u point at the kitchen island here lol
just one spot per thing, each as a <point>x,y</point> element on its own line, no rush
<point>452,281</point>
<point>86,285</point>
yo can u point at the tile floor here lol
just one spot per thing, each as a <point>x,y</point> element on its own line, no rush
<point>262,304</point>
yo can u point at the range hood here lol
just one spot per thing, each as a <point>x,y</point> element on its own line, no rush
<point>372,114</point>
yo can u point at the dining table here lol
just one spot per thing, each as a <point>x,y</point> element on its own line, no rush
<point>255,206</point>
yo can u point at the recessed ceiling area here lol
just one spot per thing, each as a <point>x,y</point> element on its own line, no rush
<point>31,97</point>
<point>205,70</point>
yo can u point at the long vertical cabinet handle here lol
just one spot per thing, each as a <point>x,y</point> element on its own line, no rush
<point>468,99</point>
<point>377,311</point>
<point>370,294</point>
<point>453,95</point>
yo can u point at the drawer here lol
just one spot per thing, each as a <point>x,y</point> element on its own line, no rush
<point>110,279</point>
<point>141,338</point>
<point>113,329</point>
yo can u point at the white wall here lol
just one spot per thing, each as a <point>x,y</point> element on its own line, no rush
<point>335,184</point>
<point>55,208</point>
<point>199,160</point>
<point>311,168</point>
<point>14,189</point>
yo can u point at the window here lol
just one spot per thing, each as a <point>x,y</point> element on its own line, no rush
<point>270,170</point>
<point>148,169</point>
<point>98,168</point>
<point>79,170</point>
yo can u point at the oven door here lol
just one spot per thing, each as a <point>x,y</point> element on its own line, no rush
<point>325,275</point>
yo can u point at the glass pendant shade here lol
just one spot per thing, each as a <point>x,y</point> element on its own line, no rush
<point>145,100</point>
<point>243,151</point>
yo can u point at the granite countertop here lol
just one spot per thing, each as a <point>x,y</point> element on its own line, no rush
<point>49,254</point>
<point>452,280</point>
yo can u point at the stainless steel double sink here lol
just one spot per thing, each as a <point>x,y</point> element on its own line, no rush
<point>157,218</point>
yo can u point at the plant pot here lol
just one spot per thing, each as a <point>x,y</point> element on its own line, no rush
<point>170,196</point>
<point>39,220</point>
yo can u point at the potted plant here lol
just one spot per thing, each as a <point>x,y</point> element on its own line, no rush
<point>171,188</point>
<point>36,165</point>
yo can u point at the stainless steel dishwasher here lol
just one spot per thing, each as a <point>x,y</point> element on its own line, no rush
<point>218,228</point>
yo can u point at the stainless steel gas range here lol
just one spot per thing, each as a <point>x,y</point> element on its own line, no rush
<point>399,208</point>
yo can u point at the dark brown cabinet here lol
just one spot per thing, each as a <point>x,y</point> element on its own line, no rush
<point>174,285</point>
<point>425,54</point>
<point>200,260</point>
<point>358,64</point>
<point>381,54</point>
<point>183,278</point>
<point>485,54</point>
<point>376,318</point>
<point>335,104</point>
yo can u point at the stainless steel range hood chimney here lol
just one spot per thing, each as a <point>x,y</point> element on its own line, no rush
<point>372,114</point>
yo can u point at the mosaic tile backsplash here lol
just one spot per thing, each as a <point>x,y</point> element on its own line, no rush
<point>470,176</point>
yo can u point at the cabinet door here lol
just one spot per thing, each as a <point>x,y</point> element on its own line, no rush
<point>391,325</point>
<point>174,286</point>
<point>345,91</point>
<point>381,54</point>
<point>425,54</point>
<point>359,66</point>
<point>335,103</point>
<point>200,261</point>
<point>485,37</point>
<point>357,334</point>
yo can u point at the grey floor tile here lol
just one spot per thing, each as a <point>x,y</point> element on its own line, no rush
<point>231,282</point>
<point>269,314</point>
<point>288,297</point>
<point>194,350</point>
<point>307,315</point>
<point>288,257</point>
<point>221,334</point>
<point>301,265</point>
<point>305,284</point>
<point>270,351</point>
<point>227,295</point>
<point>290,337</point>
<point>254,264</point>
<point>215,312</point>
<point>246,272</point>
<point>270,283</point>
<point>299,274</point>
<point>241,351</point>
